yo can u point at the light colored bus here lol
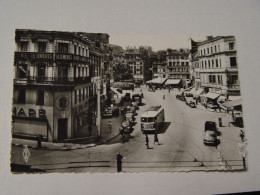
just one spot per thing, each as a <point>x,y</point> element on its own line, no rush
<point>152,119</point>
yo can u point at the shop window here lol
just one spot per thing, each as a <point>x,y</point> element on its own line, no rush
<point>42,46</point>
<point>63,48</point>
<point>40,97</point>
<point>21,96</point>
<point>233,61</point>
<point>24,46</point>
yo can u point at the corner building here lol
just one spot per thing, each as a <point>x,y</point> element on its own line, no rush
<point>53,91</point>
<point>218,68</point>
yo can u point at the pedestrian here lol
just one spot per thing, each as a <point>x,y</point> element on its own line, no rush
<point>90,130</point>
<point>206,106</point>
<point>147,141</point>
<point>156,139</point>
<point>110,126</point>
<point>242,135</point>
<point>39,141</point>
<point>119,158</point>
<point>164,97</point>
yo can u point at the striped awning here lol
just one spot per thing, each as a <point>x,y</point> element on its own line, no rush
<point>172,81</point>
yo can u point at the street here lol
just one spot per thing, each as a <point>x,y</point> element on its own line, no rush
<point>180,148</point>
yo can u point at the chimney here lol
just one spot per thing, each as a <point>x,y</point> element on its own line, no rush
<point>209,37</point>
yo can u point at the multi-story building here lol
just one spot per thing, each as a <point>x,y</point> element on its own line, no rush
<point>137,66</point>
<point>178,65</point>
<point>218,65</point>
<point>194,66</point>
<point>53,94</point>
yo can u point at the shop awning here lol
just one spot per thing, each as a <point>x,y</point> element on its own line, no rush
<point>192,90</point>
<point>198,92</point>
<point>158,81</point>
<point>233,103</point>
<point>211,95</point>
<point>234,98</point>
<point>172,81</point>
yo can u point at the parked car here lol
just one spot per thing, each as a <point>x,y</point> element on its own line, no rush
<point>107,113</point>
<point>137,98</point>
<point>210,137</point>
<point>192,104</point>
<point>131,109</point>
<point>211,105</point>
<point>130,117</point>
<point>126,125</point>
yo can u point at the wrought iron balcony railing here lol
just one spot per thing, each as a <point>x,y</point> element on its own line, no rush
<point>56,80</point>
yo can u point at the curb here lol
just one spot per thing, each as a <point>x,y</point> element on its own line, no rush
<point>80,146</point>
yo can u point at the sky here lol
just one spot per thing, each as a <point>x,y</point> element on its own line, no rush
<point>157,42</point>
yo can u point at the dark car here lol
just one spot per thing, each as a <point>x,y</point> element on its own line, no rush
<point>210,126</point>
<point>192,104</point>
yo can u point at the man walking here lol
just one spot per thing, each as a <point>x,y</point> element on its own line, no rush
<point>156,139</point>
<point>147,141</point>
<point>119,158</point>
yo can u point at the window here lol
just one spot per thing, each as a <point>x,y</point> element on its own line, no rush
<point>22,71</point>
<point>233,61</point>
<point>170,63</point>
<point>40,98</point>
<point>79,51</point>
<point>220,62</point>
<point>231,46</point>
<point>204,51</point>
<point>209,63</point>
<point>75,49</point>
<point>217,63</point>
<point>75,97</point>
<point>218,48</point>
<point>21,96</point>
<point>83,94</point>
<point>182,63</point>
<point>211,50</point>
<point>24,46</point>
<point>187,63</point>
<point>79,95</point>
<point>208,50</point>
<point>63,48</point>
<point>212,62</point>
<point>87,92</point>
<point>215,49</point>
<point>234,79</point>
<point>42,46</point>
<point>83,51</point>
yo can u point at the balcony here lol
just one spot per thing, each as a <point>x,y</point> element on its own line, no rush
<point>64,57</point>
<point>34,56</point>
<point>58,80</point>
<point>43,56</point>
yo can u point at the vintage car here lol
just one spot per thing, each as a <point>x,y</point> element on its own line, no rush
<point>210,126</point>
<point>130,117</point>
<point>126,125</point>
<point>210,137</point>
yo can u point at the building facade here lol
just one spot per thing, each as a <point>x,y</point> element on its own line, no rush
<point>178,65</point>
<point>136,65</point>
<point>54,93</point>
<point>217,65</point>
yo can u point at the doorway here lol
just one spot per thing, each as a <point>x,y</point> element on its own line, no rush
<point>62,128</point>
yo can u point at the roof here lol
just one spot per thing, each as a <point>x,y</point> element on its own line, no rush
<point>172,81</point>
<point>211,95</point>
<point>154,108</point>
<point>198,92</point>
<point>152,111</point>
<point>234,103</point>
<point>158,80</point>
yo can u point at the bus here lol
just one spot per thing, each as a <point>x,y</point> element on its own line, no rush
<point>152,119</point>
